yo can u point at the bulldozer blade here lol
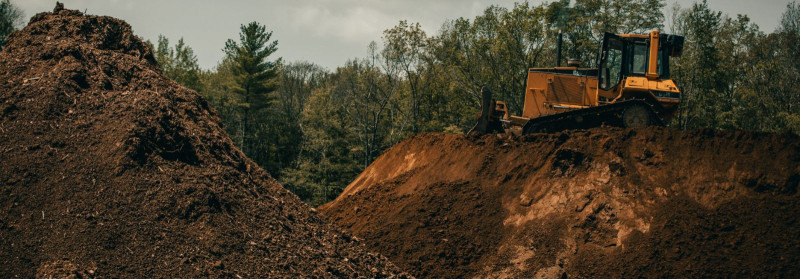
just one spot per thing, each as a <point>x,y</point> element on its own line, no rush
<point>486,122</point>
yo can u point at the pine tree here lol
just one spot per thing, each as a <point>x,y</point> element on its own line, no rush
<point>253,73</point>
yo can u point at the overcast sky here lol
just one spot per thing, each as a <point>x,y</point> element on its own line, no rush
<point>326,32</point>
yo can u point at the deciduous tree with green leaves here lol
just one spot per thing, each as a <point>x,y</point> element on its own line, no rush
<point>178,62</point>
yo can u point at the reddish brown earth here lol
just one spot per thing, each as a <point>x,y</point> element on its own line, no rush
<point>110,169</point>
<point>601,203</point>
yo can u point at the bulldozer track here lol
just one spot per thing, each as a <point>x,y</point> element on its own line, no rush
<point>610,115</point>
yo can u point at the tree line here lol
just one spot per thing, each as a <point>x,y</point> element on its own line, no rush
<point>315,129</point>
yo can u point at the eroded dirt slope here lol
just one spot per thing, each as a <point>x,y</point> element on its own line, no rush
<point>601,203</point>
<point>110,169</point>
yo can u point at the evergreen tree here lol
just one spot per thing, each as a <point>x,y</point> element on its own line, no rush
<point>253,73</point>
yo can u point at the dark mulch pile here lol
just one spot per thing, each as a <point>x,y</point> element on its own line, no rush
<point>110,169</point>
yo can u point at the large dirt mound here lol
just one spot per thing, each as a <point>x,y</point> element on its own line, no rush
<point>111,169</point>
<point>601,203</point>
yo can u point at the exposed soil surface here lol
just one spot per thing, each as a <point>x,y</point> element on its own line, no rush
<point>600,203</point>
<point>110,169</point>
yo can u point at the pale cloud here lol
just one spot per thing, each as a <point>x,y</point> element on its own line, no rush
<point>349,24</point>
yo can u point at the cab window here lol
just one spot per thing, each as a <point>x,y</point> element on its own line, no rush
<point>639,59</point>
<point>611,63</point>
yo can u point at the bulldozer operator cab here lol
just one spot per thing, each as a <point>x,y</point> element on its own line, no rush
<point>633,55</point>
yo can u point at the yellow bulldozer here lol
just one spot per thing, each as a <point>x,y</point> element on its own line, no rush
<point>630,88</point>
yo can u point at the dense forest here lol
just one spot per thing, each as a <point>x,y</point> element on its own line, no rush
<point>315,129</point>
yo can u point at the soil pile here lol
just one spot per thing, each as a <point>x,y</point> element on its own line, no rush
<point>600,203</point>
<point>110,169</point>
